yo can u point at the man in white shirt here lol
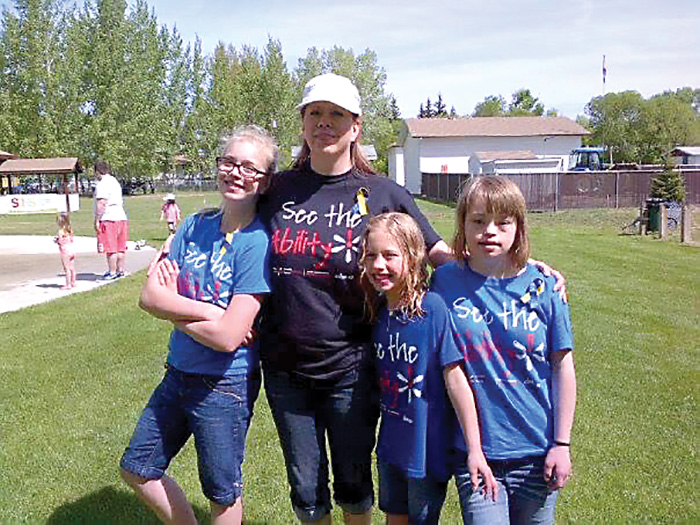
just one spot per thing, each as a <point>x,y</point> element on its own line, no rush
<point>111,223</point>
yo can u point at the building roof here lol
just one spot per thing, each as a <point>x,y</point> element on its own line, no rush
<point>488,156</point>
<point>494,127</point>
<point>40,166</point>
<point>4,155</point>
<point>686,150</point>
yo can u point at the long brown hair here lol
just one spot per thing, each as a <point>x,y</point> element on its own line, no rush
<point>501,198</point>
<point>404,230</point>
<point>357,156</point>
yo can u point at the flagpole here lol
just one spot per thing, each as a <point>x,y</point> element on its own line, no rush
<point>605,71</point>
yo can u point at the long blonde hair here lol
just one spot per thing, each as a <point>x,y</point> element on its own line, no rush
<point>501,198</point>
<point>63,223</point>
<point>404,230</point>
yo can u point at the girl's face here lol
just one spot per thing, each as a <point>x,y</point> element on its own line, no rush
<point>233,183</point>
<point>329,129</point>
<point>384,265</point>
<point>489,238</point>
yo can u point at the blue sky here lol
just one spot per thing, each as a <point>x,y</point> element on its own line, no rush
<point>469,49</point>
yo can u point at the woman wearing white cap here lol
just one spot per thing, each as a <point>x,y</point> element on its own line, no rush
<point>315,340</point>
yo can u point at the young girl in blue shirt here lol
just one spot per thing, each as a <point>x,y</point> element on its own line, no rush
<point>418,364</point>
<point>515,332</point>
<point>210,286</point>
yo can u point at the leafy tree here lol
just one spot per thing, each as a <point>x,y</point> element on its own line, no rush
<point>524,103</point>
<point>491,106</point>
<point>671,121</point>
<point>618,122</point>
<point>640,130</point>
<point>29,63</point>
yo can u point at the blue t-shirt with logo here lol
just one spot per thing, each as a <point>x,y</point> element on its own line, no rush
<point>507,330</point>
<point>417,420</point>
<point>214,270</point>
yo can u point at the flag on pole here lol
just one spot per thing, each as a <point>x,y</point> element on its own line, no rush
<point>605,71</point>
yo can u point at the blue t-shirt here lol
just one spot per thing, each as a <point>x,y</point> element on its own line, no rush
<point>212,270</point>
<point>507,329</point>
<point>417,417</point>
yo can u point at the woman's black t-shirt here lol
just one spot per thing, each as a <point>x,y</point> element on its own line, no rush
<point>313,322</point>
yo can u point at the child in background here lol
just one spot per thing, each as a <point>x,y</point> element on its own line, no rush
<point>170,211</point>
<point>516,335</point>
<point>416,354</point>
<point>64,239</point>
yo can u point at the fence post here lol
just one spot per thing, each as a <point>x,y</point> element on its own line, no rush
<point>643,220</point>
<point>663,218</point>
<point>686,224</point>
<point>556,191</point>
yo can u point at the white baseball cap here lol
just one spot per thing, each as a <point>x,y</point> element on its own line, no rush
<point>332,88</point>
<point>169,197</point>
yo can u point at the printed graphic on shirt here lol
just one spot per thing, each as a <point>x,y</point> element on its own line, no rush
<point>196,264</point>
<point>320,236</point>
<point>400,381</point>
<point>510,336</point>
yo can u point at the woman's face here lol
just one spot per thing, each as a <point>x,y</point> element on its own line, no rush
<point>329,129</point>
<point>242,156</point>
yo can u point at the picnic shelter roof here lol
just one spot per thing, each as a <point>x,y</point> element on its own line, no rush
<point>40,166</point>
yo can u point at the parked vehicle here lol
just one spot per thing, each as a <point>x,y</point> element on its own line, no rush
<point>587,159</point>
<point>138,185</point>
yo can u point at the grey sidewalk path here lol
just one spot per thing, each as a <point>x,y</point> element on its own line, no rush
<point>31,271</point>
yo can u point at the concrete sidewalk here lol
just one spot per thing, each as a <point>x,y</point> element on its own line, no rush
<point>31,271</point>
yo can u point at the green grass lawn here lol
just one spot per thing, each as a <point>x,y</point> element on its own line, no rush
<point>75,373</point>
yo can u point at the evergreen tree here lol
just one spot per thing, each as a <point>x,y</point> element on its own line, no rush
<point>669,185</point>
<point>440,111</point>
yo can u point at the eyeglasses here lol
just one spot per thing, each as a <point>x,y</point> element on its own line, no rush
<point>248,171</point>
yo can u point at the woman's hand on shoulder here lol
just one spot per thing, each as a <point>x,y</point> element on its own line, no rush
<point>560,285</point>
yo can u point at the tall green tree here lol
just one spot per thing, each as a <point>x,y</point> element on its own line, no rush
<point>524,103</point>
<point>29,63</point>
<point>644,131</point>
<point>440,108</point>
<point>491,106</point>
<point>670,121</point>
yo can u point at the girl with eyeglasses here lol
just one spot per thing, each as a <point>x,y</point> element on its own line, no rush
<point>210,286</point>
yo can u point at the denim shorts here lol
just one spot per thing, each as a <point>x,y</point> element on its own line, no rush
<point>419,498</point>
<point>216,410</point>
<point>306,413</point>
<point>523,494</point>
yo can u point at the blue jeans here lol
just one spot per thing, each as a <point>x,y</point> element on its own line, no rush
<point>216,410</point>
<point>419,498</point>
<point>523,495</point>
<point>306,411</point>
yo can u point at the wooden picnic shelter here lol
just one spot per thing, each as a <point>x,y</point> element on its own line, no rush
<point>66,166</point>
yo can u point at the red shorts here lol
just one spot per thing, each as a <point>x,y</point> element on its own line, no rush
<point>112,237</point>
